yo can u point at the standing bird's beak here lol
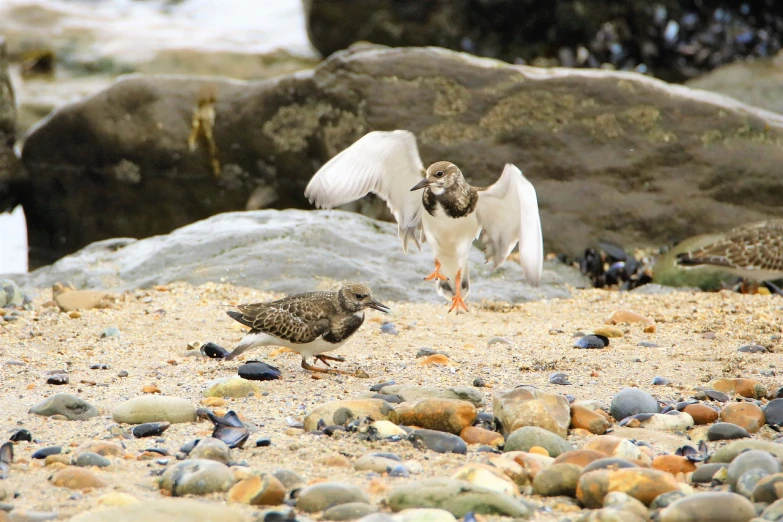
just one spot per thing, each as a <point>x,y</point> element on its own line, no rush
<point>378,306</point>
<point>421,184</point>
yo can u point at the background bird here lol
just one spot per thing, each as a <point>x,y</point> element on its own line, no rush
<point>310,324</point>
<point>448,213</point>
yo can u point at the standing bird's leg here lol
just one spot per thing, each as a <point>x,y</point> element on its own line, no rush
<point>436,274</point>
<point>456,301</point>
<point>312,368</point>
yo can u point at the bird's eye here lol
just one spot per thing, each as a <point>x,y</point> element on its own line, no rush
<point>358,296</point>
<point>439,174</point>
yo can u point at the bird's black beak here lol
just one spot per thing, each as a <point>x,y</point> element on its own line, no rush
<point>378,306</point>
<point>421,184</point>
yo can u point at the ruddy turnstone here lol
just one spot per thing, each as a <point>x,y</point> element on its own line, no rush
<point>310,324</point>
<point>450,213</point>
<point>753,252</point>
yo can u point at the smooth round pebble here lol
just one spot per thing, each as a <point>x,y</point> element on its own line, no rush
<point>705,472</point>
<point>259,371</point>
<point>88,458</point>
<point>529,436</point>
<point>438,441</point>
<point>726,431</point>
<point>713,506</point>
<point>45,452</point>
<point>557,480</point>
<point>632,401</point>
<point>324,495</point>
<point>73,408</point>
<point>773,412</point>
<point>591,342</point>
<point>349,511</point>
<point>196,477</point>
<point>154,408</point>
<point>750,460</point>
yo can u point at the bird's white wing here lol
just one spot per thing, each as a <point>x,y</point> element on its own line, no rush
<point>508,213</point>
<point>384,163</point>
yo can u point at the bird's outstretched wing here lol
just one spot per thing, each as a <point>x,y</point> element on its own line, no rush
<point>508,213</point>
<point>384,163</point>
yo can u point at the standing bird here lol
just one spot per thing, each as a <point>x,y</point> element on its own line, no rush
<point>450,213</point>
<point>310,324</point>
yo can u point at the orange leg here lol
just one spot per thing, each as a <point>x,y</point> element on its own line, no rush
<point>456,301</point>
<point>436,274</point>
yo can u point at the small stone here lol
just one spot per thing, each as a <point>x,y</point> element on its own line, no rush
<point>477,435</point>
<point>418,515</point>
<point>729,452</point>
<point>705,472</point>
<point>749,388</point>
<point>744,414</point>
<point>608,331</point>
<point>335,460</point>
<point>773,412</point>
<point>580,458</point>
<point>375,463</point>
<point>627,316</point>
<point>671,421</point>
<point>386,429</point>
<point>752,348</point>
<point>772,512</point>
<point>196,477</point>
<point>349,511</point>
<point>288,478</point>
<point>529,436</point>
<point>527,406</point>
<point>591,342</point>
<point>478,382</point>
<point>11,294</point>
<point>660,381</point>
<point>100,447</point>
<point>263,442</point>
<point>631,401</point>
<point>117,498</point>
<point>750,460</point>
<point>76,478</point>
<point>83,300</point>
<point>324,495</point>
<point>389,328</point>
<point>458,497</point>
<point>487,477</point>
<point>154,408</point>
<point>258,490</point>
<point>713,506</point>
<point>437,441</point>
<point>624,502</point>
<point>448,415</point>
<point>347,411</point>
<point>499,340</point>
<point>210,448</point>
<point>72,408</point>
<point>748,481</point>
<point>559,378</point>
<point>726,431</point>
<point>768,489</point>
<point>557,480</point>
<point>673,464</point>
<point>45,452</point>
<point>258,371</point>
<point>701,413</point>
<point>111,331</point>
<point>168,509</point>
<point>665,499</point>
<point>21,435</point>
<point>411,393</point>
<point>233,386</point>
<point>436,359</point>
<point>590,420</point>
<point>88,459</point>
<point>149,429</point>
<point>640,483</point>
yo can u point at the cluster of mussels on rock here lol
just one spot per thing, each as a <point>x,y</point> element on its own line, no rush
<point>610,265</point>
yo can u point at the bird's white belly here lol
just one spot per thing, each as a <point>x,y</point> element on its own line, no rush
<point>305,349</point>
<point>450,237</point>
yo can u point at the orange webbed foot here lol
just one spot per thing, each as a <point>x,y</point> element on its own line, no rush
<point>456,301</point>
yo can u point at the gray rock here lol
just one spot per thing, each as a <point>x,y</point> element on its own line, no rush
<point>726,431</point>
<point>666,499</point>
<point>73,408</point>
<point>769,489</point>
<point>422,515</point>
<point>773,412</point>
<point>349,511</point>
<point>89,458</point>
<point>557,480</point>
<point>438,441</point>
<point>324,495</point>
<point>210,448</point>
<point>750,460</point>
<point>111,331</point>
<point>704,473</point>
<point>709,507</point>
<point>458,497</point>
<point>526,437</point>
<point>729,452</point>
<point>747,482</point>
<point>624,502</point>
<point>630,401</point>
<point>412,393</point>
<point>288,478</point>
<point>168,509</point>
<point>196,477</point>
<point>10,293</point>
<point>774,511</point>
<point>154,408</point>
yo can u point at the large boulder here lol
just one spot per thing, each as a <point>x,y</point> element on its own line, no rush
<point>10,168</point>
<point>289,251</point>
<point>613,155</point>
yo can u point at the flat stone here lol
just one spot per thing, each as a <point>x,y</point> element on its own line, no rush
<point>104,448</point>
<point>258,490</point>
<point>349,511</point>
<point>448,415</point>
<point>748,481</point>
<point>744,414</point>
<point>88,459</point>
<point>527,406</point>
<point>346,411</point>
<point>411,393</point>
<point>76,478</point>
<point>705,472</point>
<point>421,515</point>
<point>713,506</point>
<point>233,386</point>
<point>749,388</point>
<point>457,497</point>
<point>529,436</point>
<point>72,408</point>
<point>751,460</point>
<point>726,431</point>
<point>154,408</point>
<point>196,477</point>
<point>438,441</point>
<point>580,458</point>
<point>168,509</point>
<point>672,421</point>
<point>641,483</point>
<point>729,452</point>
<point>324,495</point>
<point>557,480</point>
<point>376,463</point>
<point>288,478</point>
<point>615,446</point>
<point>487,477</point>
<point>631,401</point>
<point>210,448</point>
<point>83,300</point>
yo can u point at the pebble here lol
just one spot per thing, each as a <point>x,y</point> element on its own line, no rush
<point>349,511</point>
<point>210,448</point>
<point>45,452</point>
<point>499,340</point>
<point>10,294</point>
<point>580,457</point>
<point>477,435</point>
<point>672,421</point>
<point>58,379</point>
<point>750,460</point>
<point>773,412</point>
<point>616,447</point>
<point>76,478</point>
<point>487,477</point>
<point>71,407</point>
<point>412,393</point>
<point>101,447</point>
<point>381,385</point>
<point>22,435</point>
<point>478,382</point>
<point>673,464</point>
<point>232,386</point>
<point>334,460</point>
<point>591,342</point>
<point>768,489</point>
<point>624,502</point>
<point>391,399</point>
<point>701,413</point>
<point>631,401</point>
<point>213,351</point>
<point>111,331</point>
<point>263,442</point>
<point>610,514</point>
<point>259,371</point>
<point>627,316</point>
<point>557,480</point>
<point>258,490</point>
<point>342,412</point>
<point>196,477</point>
<point>744,414</point>
<point>752,348</point>
<point>529,436</point>
<point>324,495</point>
<point>458,497</point>
<point>389,328</point>
<point>666,499</point>
<point>149,429</point>
<point>83,300</point>
<point>528,406</point>
<point>660,381</point>
<point>705,472</point>
<point>168,509</point>
<point>437,441</point>
<point>375,463</point>
<point>288,478</point>
<point>449,415</point>
<point>154,408</point>
<point>590,420</point>
<point>748,481</point>
<point>774,511</point>
<point>712,506</point>
<point>117,498</point>
<point>386,429</point>
<point>640,483</point>
<point>726,431</point>
<point>729,452</point>
<point>559,378</point>
<point>88,459</point>
<point>749,388</point>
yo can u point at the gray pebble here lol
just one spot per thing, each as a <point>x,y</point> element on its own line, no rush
<point>320,497</point>
<point>349,511</point>
<point>750,460</point>
<point>111,331</point>
<point>438,441</point>
<point>526,437</point>
<point>631,401</point>
<point>726,431</point>
<point>89,458</point>
<point>73,408</point>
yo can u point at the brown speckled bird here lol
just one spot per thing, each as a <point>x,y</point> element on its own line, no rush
<point>309,324</point>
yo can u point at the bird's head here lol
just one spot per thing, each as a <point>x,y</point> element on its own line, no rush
<point>439,177</point>
<point>355,297</point>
